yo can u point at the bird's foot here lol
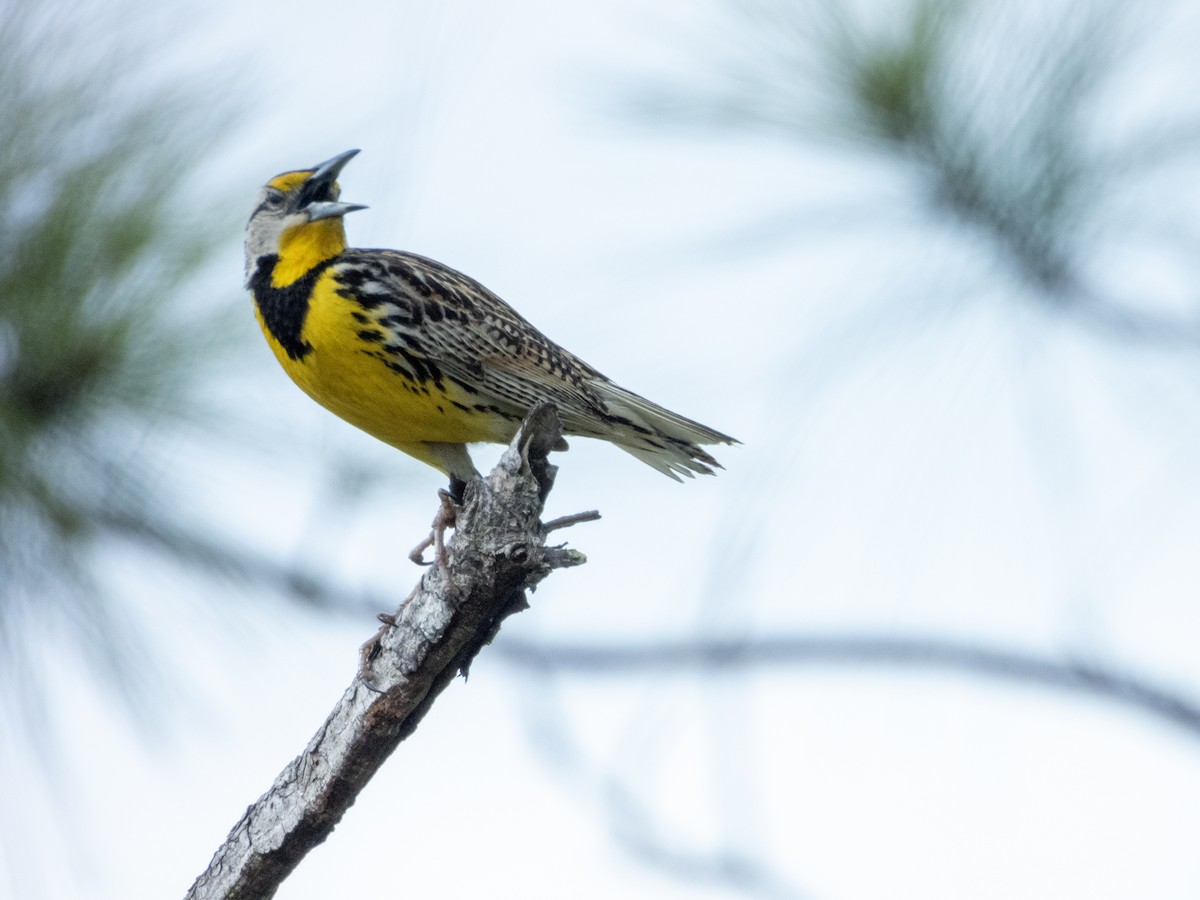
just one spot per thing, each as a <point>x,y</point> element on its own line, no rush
<point>446,517</point>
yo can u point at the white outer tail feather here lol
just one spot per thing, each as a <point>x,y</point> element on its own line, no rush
<point>680,438</point>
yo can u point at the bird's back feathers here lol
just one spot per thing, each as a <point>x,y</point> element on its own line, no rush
<point>443,326</point>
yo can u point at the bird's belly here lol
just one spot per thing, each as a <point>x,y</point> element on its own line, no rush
<point>351,378</point>
<point>384,404</point>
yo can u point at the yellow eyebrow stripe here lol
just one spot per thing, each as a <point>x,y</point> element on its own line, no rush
<point>288,180</point>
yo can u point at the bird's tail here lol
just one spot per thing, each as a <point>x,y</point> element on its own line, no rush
<point>658,437</point>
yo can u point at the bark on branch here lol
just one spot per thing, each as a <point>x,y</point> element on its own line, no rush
<point>498,550</point>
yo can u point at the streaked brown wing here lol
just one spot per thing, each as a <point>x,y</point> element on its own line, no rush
<point>448,325</point>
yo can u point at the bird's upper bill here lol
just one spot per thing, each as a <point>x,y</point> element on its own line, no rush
<point>316,190</point>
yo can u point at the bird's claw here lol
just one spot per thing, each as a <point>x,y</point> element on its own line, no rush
<point>446,517</point>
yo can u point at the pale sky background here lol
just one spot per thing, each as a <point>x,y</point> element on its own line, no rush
<point>922,452</point>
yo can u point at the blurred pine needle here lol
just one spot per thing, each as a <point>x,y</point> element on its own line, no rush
<point>1000,111</point>
<point>103,232</point>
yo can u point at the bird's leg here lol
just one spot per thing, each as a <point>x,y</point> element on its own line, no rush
<point>446,516</point>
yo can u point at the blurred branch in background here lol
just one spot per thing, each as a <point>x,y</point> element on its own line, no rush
<point>1002,112</point>
<point>1097,680</point>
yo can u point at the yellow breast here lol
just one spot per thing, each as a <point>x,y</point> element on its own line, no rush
<point>349,375</point>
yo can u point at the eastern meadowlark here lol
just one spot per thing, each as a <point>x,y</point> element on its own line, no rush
<point>421,356</point>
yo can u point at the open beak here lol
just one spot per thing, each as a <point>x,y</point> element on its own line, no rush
<point>327,209</point>
<point>316,195</point>
<point>329,170</point>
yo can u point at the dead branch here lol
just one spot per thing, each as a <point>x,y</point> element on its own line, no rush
<point>498,550</point>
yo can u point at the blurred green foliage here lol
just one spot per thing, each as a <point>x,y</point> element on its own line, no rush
<point>103,229</point>
<point>1001,110</point>
<point>991,102</point>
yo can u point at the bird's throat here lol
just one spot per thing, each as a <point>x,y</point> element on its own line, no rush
<point>282,310</point>
<point>303,248</point>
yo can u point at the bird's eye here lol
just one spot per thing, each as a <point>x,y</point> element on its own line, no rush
<point>273,201</point>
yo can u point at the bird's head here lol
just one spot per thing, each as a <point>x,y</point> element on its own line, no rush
<point>298,217</point>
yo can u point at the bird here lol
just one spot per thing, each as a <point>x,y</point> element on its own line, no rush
<point>421,356</point>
